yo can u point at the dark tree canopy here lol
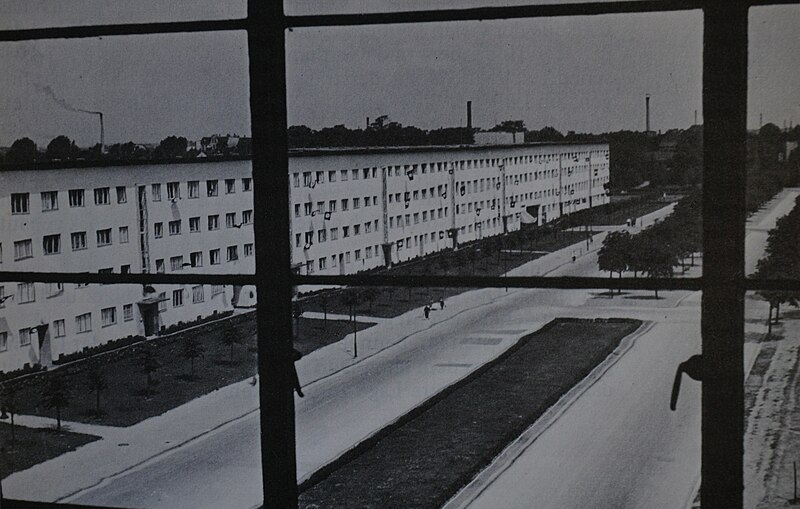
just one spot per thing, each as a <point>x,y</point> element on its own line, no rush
<point>171,147</point>
<point>60,148</point>
<point>22,151</point>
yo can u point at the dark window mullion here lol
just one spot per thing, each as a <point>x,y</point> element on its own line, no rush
<point>724,155</point>
<point>266,45</point>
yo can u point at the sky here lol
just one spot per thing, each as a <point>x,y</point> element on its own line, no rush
<point>581,74</point>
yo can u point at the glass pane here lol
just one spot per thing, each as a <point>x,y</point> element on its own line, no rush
<point>770,442</point>
<point>308,7</point>
<point>558,150</point>
<point>146,382</point>
<point>495,398</point>
<point>113,167</point>
<point>46,13</point>
<point>773,163</point>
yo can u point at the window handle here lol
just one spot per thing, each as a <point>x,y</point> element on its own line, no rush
<point>693,366</point>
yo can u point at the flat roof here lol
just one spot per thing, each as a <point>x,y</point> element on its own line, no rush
<point>312,152</point>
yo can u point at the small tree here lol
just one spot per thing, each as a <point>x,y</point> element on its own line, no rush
<point>192,350</point>
<point>369,295</point>
<point>230,338</point>
<point>60,147</point>
<point>56,395</point>
<point>22,151</point>
<point>323,302</point>
<point>150,364</point>
<point>351,299</point>
<point>9,404</point>
<point>97,383</point>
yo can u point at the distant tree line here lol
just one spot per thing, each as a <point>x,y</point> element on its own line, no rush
<point>62,149</point>
<point>657,250</point>
<point>781,261</point>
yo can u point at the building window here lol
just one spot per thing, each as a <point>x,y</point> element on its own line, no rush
<point>177,298</point>
<point>123,235</point>
<point>102,196</point>
<point>51,244</point>
<point>76,198</point>
<point>247,184</point>
<point>345,204</point>
<point>2,296</point>
<point>296,179</point>
<point>23,249</point>
<point>356,203</point>
<point>162,301</point>
<point>213,222</point>
<point>248,250</point>
<point>127,312</point>
<point>216,290</point>
<point>122,194</point>
<point>24,337</point>
<point>49,200</point>
<point>323,263</point>
<point>104,237</point>
<point>108,316</point>
<point>160,266</point>
<point>175,227</point>
<point>125,269</point>
<point>334,233</point>
<point>321,235</point>
<point>213,257</point>
<point>193,188</point>
<point>156,188</point>
<point>78,240</point>
<point>343,174</point>
<point>230,186</point>
<point>173,190</point>
<point>53,289</point>
<point>230,220</point>
<point>176,263</point>
<point>247,217</point>
<point>158,230</point>
<point>83,323</point>
<point>59,329</point>
<point>196,259</point>
<point>3,341</point>
<point>26,292</point>
<point>332,176</point>
<point>194,224</point>
<point>197,294</point>
<point>296,210</point>
<point>233,253</point>
<point>212,187</point>
<point>345,231</point>
<point>307,179</point>
<point>20,203</point>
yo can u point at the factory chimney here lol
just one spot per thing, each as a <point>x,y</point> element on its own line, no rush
<point>102,135</point>
<point>469,114</point>
<point>647,112</point>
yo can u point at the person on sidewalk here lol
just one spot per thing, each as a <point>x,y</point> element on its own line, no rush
<point>427,311</point>
<point>441,302</point>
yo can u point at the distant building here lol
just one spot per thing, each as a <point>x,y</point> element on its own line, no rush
<point>498,138</point>
<point>351,210</point>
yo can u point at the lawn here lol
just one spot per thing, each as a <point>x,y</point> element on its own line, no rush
<point>127,397</point>
<point>33,446</point>
<point>434,450</point>
<point>490,257</point>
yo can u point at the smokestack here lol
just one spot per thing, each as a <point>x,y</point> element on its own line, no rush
<point>647,112</point>
<point>469,114</point>
<point>695,117</point>
<point>102,135</point>
<point>367,123</point>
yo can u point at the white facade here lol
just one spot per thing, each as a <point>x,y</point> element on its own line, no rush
<point>88,220</point>
<point>351,210</point>
<point>354,210</point>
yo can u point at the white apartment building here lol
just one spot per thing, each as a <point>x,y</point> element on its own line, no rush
<point>152,218</point>
<point>357,209</point>
<point>351,210</point>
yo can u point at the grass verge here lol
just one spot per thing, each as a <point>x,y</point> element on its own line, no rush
<point>35,445</point>
<point>127,397</point>
<point>429,454</point>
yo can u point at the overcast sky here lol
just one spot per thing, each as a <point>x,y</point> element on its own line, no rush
<point>583,74</point>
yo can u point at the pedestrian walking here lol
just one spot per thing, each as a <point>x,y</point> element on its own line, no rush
<point>441,302</point>
<point>427,311</point>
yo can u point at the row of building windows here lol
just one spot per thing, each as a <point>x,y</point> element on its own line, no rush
<point>175,227</point>
<point>108,316</point>
<point>20,202</point>
<point>311,179</point>
<point>52,245</point>
<point>196,258</point>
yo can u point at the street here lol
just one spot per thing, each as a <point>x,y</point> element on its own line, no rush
<point>617,445</point>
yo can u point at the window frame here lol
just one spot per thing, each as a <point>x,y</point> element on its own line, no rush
<point>723,282</point>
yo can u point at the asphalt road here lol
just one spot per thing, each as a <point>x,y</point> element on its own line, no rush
<point>618,445</point>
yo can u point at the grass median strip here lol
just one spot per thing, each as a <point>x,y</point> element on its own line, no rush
<point>429,454</point>
<point>30,446</point>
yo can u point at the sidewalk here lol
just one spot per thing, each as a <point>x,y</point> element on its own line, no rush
<point>126,449</point>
